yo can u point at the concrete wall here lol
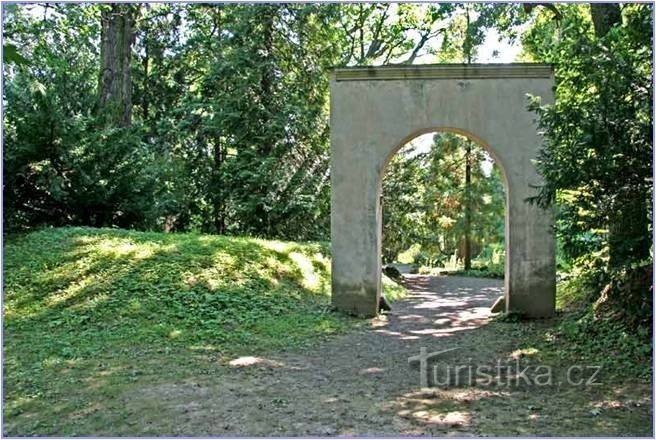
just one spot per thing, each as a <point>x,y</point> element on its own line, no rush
<point>375,111</point>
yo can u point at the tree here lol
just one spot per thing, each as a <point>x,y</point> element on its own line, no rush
<point>191,117</point>
<point>604,17</point>
<point>598,148</point>
<point>425,196</point>
<point>384,33</point>
<point>403,203</point>
<point>64,163</point>
<point>115,79</point>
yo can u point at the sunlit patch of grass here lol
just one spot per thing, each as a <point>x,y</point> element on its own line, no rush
<point>310,278</point>
<point>524,352</point>
<point>109,307</point>
<point>124,249</point>
<point>393,291</point>
<point>571,293</point>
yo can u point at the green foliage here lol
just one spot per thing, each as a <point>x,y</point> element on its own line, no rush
<point>230,130</point>
<point>393,289</point>
<point>212,289</point>
<point>384,33</point>
<point>63,168</point>
<point>490,263</point>
<point>101,305</point>
<point>598,145</point>
<point>230,121</point>
<point>229,114</point>
<point>256,173</point>
<point>621,348</point>
<point>492,259</point>
<point>410,255</point>
<point>579,335</point>
<point>218,290</point>
<point>424,196</point>
<point>11,55</point>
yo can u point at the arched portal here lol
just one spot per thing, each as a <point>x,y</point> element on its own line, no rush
<point>375,111</point>
<point>441,234</point>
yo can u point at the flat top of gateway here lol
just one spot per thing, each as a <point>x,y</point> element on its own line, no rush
<point>443,71</point>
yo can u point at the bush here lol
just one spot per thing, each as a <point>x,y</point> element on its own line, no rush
<point>410,255</point>
<point>603,332</point>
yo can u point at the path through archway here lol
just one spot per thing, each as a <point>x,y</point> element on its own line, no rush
<point>443,201</point>
<point>374,111</point>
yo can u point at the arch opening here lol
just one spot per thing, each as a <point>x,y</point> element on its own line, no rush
<point>447,129</point>
<point>444,206</point>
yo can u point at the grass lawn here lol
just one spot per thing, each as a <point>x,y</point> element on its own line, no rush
<point>87,312</point>
<point>113,332</point>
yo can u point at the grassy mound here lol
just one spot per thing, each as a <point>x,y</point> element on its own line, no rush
<point>77,295</point>
<point>79,288</point>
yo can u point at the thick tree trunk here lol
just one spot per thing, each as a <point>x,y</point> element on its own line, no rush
<point>267,79</point>
<point>115,82</point>
<point>604,17</point>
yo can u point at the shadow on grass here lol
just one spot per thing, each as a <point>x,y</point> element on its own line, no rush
<point>86,304</point>
<point>147,347</point>
<point>90,270</point>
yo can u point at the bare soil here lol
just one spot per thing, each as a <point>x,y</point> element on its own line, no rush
<point>362,384</point>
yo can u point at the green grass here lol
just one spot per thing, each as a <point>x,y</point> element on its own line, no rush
<point>105,307</point>
<point>475,273</point>
<point>595,338</point>
<point>392,290</point>
<point>577,334</point>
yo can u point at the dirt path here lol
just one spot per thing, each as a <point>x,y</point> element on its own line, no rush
<point>362,384</point>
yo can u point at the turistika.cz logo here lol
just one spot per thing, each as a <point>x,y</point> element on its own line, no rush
<point>433,373</point>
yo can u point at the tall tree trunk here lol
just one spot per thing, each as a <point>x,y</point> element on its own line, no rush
<point>115,82</point>
<point>145,100</point>
<point>219,151</point>
<point>267,141</point>
<point>604,17</point>
<point>467,49</point>
<point>468,207</point>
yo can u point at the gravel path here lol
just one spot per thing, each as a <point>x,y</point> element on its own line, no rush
<point>361,383</point>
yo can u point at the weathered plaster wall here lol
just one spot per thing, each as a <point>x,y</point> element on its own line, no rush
<point>375,111</point>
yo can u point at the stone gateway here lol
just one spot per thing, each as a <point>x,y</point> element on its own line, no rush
<point>376,110</point>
